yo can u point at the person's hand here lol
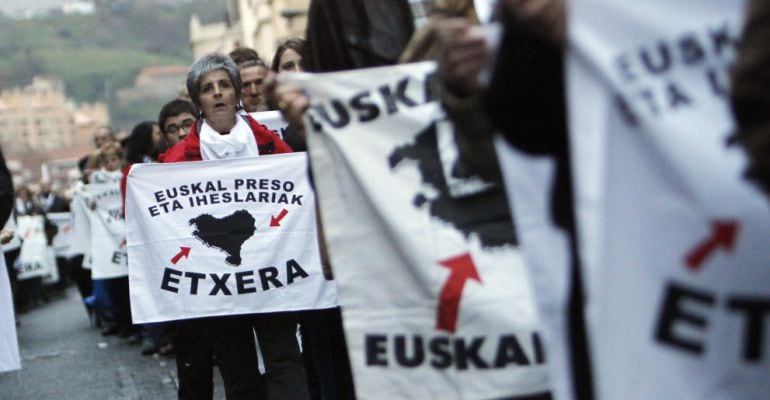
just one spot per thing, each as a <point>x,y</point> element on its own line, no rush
<point>5,236</point>
<point>463,53</point>
<point>548,17</point>
<point>288,97</point>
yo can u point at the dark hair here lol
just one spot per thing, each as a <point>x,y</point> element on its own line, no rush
<point>174,108</point>
<point>160,147</point>
<point>139,142</point>
<point>244,54</point>
<point>251,63</point>
<point>295,44</point>
<point>207,64</point>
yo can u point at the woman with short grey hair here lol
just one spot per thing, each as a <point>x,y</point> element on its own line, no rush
<point>207,64</point>
<point>221,132</point>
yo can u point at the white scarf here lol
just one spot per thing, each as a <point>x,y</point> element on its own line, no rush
<point>46,201</point>
<point>239,142</point>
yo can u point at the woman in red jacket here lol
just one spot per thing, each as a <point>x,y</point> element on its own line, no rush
<point>222,131</point>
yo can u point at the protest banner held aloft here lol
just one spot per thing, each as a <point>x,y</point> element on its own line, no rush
<point>225,237</point>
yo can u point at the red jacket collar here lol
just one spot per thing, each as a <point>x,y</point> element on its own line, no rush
<point>189,149</point>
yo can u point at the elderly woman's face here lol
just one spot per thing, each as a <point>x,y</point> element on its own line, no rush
<point>218,100</point>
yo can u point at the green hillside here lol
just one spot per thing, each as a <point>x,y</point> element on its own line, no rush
<point>98,54</point>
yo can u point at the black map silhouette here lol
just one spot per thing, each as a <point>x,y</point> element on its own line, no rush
<point>485,213</point>
<point>227,234</point>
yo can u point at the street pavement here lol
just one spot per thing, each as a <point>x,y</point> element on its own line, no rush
<point>63,357</point>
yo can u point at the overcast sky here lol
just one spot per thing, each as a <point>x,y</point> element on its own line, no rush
<point>12,6</point>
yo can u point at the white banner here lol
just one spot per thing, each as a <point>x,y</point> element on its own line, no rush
<point>223,238</point>
<point>273,120</point>
<point>9,344</point>
<point>673,239</point>
<point>81,226</point>
<point>530,181</point>
<point>436,300</point>
<point>34,258</point>
<point>62,242</point>
<point>104,208</point>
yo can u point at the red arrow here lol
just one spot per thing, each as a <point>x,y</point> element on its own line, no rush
<point>183,252</point>
<point>723,233</point>
<point>462,268</point>
<point>276,221</point>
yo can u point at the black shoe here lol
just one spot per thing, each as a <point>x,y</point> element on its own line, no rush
<point>134,338</point>
<point>149,348</point>
<point>110,330</point>
<point>167,349</point>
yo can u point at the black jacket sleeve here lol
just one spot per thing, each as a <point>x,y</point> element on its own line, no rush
<point>6,192</point>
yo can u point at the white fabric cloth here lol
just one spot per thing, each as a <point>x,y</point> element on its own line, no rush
<point>104,176</point>
<point>9,344</point>
<point>239,142</point>
<point>268,232</point>
<point>672,236</point>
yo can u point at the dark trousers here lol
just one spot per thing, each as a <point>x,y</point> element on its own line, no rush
<point>10,258</point>
<point>80,275</point>
<point>63,268</point>
<point>112,300</point>
<point>325,339</point>
<point>29,293</point>
<point>284,367</point>
<point>231,341</point>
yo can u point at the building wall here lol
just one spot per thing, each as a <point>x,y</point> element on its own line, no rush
<point>39,118</point>
<point>259,24</point>
<point>152,83</point>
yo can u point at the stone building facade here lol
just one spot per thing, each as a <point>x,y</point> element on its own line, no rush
<point>259,24</point>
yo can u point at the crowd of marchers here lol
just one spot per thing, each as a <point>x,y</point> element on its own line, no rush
<point>213,120</point>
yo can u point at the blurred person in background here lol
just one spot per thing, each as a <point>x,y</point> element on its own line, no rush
<point>288,56</point>
<point>253,74</point>
<point>102,135</point>
<point>25,205</point>
<point>253,71</point>
<point>139,147</point>
<point>51,202</point>
<point>112,294</point>
<point>30,289</point>
<point>244,54</point>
